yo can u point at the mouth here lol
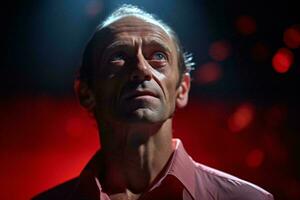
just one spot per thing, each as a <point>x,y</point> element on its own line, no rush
<point>140,94</point>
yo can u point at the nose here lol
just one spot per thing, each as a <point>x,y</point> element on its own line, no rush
<point>141,69</point>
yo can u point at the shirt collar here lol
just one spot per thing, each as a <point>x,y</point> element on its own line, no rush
<point>181,166</point>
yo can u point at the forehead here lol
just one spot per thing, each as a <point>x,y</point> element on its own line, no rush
<point>132,27</point>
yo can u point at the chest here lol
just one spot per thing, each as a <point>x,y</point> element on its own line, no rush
<point>171,188</point>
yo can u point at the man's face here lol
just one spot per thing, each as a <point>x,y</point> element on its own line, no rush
<point>136,76</point>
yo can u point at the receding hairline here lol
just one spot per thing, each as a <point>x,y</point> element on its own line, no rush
<point>137,13</point>
<point>168,31</point>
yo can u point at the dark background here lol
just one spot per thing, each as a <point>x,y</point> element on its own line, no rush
<point>243,111</point>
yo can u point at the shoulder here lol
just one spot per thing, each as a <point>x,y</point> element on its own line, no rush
<point>59,192</point>
<point>215,184</point>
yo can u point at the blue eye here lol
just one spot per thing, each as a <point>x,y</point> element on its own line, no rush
<point>160,56</point>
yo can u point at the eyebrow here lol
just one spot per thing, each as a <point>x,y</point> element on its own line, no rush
<point>114,46</point>
<point>117,44</point>
<point>157,43</point>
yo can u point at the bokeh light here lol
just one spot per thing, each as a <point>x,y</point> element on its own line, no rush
<point>246,25</point>
<point>220,50</point>
<point>255,158</point>
<point>283,60</point>
<point>208,73</point>
<point>291,36</point>
<point>241,118</point>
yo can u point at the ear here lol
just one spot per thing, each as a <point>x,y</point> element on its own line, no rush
<point>85,95</point>
<point>183,91</point>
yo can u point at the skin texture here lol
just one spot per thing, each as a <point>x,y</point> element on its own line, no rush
<point>133,97</point>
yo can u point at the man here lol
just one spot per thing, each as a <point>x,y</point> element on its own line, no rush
<point>133,76</point>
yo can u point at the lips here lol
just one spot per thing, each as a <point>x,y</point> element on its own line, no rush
<point>139,93</point>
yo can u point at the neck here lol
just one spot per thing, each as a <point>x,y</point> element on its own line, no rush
<point>135,155</point>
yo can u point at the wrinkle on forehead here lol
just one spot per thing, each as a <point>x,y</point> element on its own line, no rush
<point>134,30</point>
<point>132,24</point>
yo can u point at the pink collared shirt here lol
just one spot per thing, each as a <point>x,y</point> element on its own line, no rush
<point>183,179</point>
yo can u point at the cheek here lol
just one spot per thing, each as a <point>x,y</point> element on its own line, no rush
<point>168,81</point>
<point>172,81</point>
<point>171,92</point>
<point>105,92</point>
<point>158,75</point>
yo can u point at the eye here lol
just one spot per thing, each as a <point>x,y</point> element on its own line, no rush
<point>118,57</point>
<point>159,56</point>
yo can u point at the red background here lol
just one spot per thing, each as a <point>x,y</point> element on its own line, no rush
<point>47,140</point>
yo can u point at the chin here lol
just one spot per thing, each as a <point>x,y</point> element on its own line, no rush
<point>144,115</point>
